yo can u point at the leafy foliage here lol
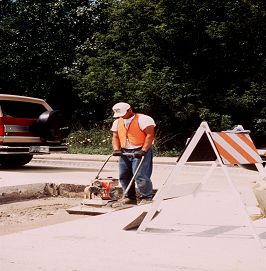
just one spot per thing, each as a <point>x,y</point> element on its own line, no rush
<point>181,62</point>
<point>38,40</point>
<point>92,141</point>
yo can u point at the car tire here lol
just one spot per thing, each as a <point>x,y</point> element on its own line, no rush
<point>14,160</point>
<point>51,126</point>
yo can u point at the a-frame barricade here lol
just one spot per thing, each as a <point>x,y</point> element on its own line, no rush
<point>219,148</point>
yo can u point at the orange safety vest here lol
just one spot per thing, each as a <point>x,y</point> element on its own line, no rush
<point>133,133</point>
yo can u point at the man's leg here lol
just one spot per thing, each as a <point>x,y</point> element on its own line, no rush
<point>125,175</point>
<point>143,177</point>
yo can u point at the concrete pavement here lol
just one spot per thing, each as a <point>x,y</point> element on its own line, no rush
<point>47,174</point>
<point>207,233</point>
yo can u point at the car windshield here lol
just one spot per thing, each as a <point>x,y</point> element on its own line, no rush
<point>19,109</point>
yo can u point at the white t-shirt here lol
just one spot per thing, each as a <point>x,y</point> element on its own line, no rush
<point>143,121</point>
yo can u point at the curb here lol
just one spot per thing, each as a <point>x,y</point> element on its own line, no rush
<point>17,193</point>
<point>99,158</point>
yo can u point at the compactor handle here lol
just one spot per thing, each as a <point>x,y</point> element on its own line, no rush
<point>97,176</point>
<point>128,154</point>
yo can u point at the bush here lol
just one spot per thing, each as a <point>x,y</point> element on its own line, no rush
<point>94,141</point>
<point>98,140</point>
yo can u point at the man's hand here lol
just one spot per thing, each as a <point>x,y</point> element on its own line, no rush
<point>117,153</point>
<point>139,154</point>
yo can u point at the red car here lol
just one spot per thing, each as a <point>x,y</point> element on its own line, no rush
<point>29,126</point>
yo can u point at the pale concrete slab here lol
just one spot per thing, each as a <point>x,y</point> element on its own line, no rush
<point>203,233</point>
<point>186,236</point>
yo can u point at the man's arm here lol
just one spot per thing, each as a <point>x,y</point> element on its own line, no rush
<point>116,141</point>
<point>149,131</point>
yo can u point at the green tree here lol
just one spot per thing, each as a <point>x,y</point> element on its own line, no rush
<point>180,61</point>
<point>39,39</point>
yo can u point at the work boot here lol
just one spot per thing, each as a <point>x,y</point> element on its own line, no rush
<point>145,201</point>
<point>122,202</point>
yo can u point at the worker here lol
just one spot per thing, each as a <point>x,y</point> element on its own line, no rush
<point>133,133</point>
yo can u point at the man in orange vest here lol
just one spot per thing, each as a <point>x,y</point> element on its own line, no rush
<point>133,133</point>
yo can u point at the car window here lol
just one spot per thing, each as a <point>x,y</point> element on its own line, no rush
<point>19,109</point>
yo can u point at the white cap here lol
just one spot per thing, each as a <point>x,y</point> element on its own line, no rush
<point>120,109</point>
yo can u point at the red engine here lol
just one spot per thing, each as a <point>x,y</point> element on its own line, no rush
<point>106,189</point>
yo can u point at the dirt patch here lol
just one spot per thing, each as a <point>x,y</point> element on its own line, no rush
<point>30,214</point>
<point>40,190</point>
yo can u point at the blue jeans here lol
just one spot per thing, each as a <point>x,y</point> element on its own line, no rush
<point>127,167</point>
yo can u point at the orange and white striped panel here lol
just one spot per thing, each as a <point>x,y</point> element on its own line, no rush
<point>262,152</point>
<point>236,148</point>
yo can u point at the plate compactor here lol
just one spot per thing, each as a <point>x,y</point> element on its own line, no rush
<point>102,193</point>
